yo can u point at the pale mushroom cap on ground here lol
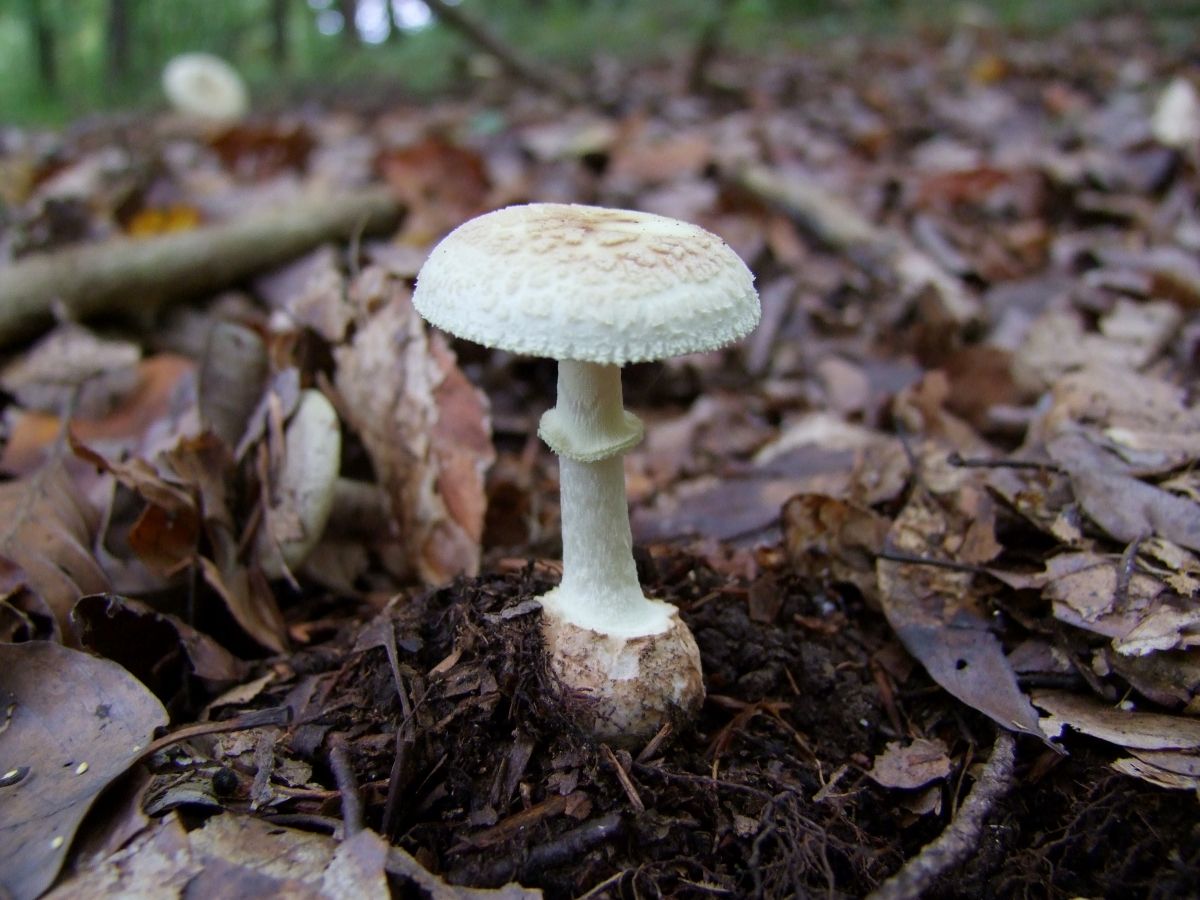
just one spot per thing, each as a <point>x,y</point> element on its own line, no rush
<point>203,85</point>
<point>587,283</point>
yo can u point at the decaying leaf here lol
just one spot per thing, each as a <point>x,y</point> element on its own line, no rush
<point>911,766</point>
<point>72,368</point>
<point>424,425</point>
<point>312,291</point>
<point>242,856</point>
<point>157,408</point>
<point>233,374</point>
<point>1128,509</point>
<point>1134,730</point>
<point>75,723</point>
<point>165,534</point>
<point>48,532</point>
<point>935,613</point>
<point>833,539</point>
<point>163,651</point>
<point>1156,775</point>
<point>442,184</point>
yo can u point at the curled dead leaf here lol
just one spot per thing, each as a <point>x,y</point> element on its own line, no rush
<point>426,428</point>
<point>48,533</point>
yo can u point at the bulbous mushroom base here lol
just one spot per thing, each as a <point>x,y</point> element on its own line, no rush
<point>623,690</point>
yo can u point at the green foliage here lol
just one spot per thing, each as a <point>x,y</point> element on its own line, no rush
<point>424,62</point>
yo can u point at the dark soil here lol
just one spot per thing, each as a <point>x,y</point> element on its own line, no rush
<point>463,760</point>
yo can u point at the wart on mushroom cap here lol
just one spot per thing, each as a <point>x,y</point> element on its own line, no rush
<point>596,288</point>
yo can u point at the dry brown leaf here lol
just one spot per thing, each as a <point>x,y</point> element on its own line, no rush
<point>72,368</point>
<point>935,613</point>
<point>166,533</point>
<point>312,291</point>
<point>642,159</point>
<point>1126,508</point>
<point>75,723</point>
<point>1134,730</point>
<point>244,856</point>
<point>832,539</point>
<point>157,408</point>
<point>441,183</point>
<point>254,152</point>
<point>424,425</point>
<point>48,532</point>
<point>1156,775</point>
<point>162,650</point>
<point>233,374</point>
<point>911,766</point>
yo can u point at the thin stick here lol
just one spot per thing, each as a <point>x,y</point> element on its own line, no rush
<point>911,560</point>
<point>627,784</point>
<point>962,835</point>
<point>275,715</point>
<point>974,462</point>
<point>343,774</point>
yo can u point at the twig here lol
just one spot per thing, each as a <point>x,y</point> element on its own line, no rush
<point>522,68</point>
<point>599,889</point>
<point>962,835</point>
<point>127,274</point>
<point>655,743</point>
<point>573,844</point>
<point>971,462</point>
<point>343,774</point>
<point>627,784</point>
<point>911,560</point>
<point>398,780</point>
<point>275,715</point>
<point>1125,572</point>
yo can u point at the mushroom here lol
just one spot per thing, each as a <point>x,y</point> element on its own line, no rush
<point>205,86</point>
<point>595,289</point>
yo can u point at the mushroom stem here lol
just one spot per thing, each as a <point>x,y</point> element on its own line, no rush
<point>590,430</point>
<point>599,588</point>
<point>589,422</point>
<point>590,398</point>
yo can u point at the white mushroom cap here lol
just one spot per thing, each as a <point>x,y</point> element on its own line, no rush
<point>586,283</point>
<point>205,86</point>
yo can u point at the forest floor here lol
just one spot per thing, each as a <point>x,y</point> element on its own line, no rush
<point>935,524</point>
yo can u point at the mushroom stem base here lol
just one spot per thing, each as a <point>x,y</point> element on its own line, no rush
<point>624,689</point>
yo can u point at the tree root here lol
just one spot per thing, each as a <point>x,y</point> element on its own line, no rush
<point>961,836</point>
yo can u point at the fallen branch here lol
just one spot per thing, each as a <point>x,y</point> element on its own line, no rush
<point>477,33</point>
<point>961,836</point>
<point>839,226</point>
<point>131,275</point>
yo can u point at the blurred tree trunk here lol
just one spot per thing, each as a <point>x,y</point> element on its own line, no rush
<point>44,48</point>
<point>280,18</point>
<point>349,11</point>
<point>396,33</point>
<point>118,31</point>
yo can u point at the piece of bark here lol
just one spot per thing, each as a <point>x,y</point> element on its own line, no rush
<point>835,223</point>
<point>133,275</point>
